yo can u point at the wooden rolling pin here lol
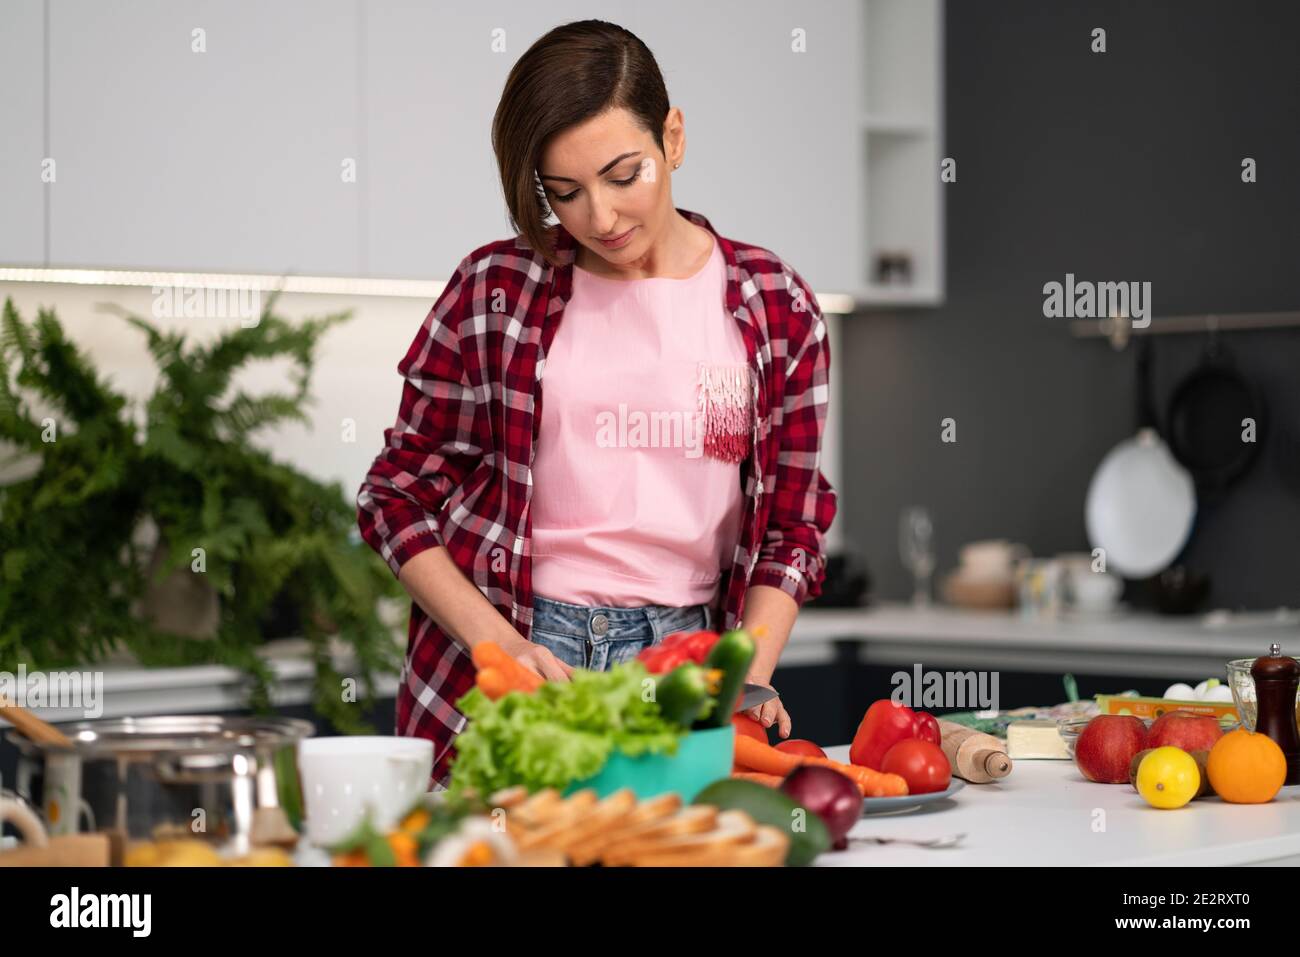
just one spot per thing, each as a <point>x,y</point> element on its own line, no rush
<point>32,726</point>
<point>975,757</point>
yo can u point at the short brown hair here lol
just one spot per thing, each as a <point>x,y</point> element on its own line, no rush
<point>573,73</point>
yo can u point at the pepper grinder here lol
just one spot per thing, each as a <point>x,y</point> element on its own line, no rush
<point>1277,679</point>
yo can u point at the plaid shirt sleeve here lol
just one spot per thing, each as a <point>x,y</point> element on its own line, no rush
<point>791,557</point>
<point>433,446</point>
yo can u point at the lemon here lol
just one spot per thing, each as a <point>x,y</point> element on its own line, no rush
<point>1168,778</point>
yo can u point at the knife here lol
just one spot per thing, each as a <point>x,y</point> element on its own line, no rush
<point>753,696</point>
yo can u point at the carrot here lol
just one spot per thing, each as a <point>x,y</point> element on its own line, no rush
<point>405,849</point>
<point>765,759</point>
<point>870,783</point>
<point>488,654</point>
<point>416,821</point>
<point>493,683</point>
<point>757,756</point>
<point>771,780</point>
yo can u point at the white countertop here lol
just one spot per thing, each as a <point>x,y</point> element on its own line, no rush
<point>1125,644</point>
<point>1127,631</point>
<point>1046,813</point>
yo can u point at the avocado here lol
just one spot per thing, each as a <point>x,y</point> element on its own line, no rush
<point>776,809</point>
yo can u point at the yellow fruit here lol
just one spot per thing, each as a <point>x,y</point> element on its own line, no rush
<point>1168,778</point>
<point>1246,767</point>
<point>144,854</point>
<point>263,857</point>
<point>188,852</point>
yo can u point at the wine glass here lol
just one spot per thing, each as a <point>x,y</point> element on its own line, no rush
<point>916,546</point>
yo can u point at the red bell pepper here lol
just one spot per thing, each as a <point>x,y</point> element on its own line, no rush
<point>698,644</point>
<point>927,728</point>
<point>885,724</point>
<point>678,648</point>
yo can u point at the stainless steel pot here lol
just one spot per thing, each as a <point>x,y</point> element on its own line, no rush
<point>232,781</point>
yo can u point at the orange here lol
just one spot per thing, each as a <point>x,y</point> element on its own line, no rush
<point>1246,768</point>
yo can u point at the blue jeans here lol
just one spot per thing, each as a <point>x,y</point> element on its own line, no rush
<point>597,638</point>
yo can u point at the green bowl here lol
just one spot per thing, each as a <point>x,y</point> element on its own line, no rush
<point>702,757</point>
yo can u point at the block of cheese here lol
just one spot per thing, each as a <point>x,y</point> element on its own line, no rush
<point>1035,738</point>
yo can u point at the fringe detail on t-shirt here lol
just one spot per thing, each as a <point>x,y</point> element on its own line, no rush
<point>726,410</point>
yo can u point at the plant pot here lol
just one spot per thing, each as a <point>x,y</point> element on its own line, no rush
<point>702,757</point>
<point>183,603</point>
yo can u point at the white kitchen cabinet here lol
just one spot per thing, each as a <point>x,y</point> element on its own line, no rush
<point>226,160</point>
<point>22,63</point>
<point>774,94</point>
<point>771,149</point>
<point>814,129</point>
<point>767,92</point>
<point>432,75</point>
<point>901,149</point>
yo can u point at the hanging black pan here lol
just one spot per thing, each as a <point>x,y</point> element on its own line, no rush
<point>1209,421</point>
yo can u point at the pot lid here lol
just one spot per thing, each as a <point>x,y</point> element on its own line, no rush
<point>190,733</point>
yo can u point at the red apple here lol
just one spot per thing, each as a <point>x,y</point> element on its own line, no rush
<point>1184,729</point>
<point>1107,745</point>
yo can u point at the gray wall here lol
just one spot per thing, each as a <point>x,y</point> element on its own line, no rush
<point>1115,166</point>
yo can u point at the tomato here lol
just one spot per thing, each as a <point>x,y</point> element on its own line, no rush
<point>800,746</point>
<point>746,725</point>
<point>921,764</point>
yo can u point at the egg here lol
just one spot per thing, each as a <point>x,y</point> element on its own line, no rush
<point>1205,687</point>
<point>1180,692</point>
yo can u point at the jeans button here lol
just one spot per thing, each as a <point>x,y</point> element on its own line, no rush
<point>599,625</point>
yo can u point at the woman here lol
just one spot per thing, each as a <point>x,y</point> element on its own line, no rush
<point>666,478</point>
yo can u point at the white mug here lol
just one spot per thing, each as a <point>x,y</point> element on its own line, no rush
<point>14,810</point>
<point>63,804</point>
<point>342,777</point>
<point>1088,590</point>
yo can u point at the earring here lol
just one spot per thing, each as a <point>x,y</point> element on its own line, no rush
<point>676,165</point>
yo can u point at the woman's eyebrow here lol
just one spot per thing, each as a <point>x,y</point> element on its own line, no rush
<point>600,172</point>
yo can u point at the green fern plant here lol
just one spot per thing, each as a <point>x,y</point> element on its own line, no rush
<point>73,575</point>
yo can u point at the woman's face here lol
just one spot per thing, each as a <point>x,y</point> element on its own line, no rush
<point>606,179</point>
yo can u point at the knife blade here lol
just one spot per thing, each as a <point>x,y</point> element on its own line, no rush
<point>753,696</point>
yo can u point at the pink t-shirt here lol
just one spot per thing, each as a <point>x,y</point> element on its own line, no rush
<point>647,411</point>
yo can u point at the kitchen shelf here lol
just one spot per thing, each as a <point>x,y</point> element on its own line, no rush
<point>875,296</point>
<point>131,690</point>
<point>901,149</point>
<point>899,125</point>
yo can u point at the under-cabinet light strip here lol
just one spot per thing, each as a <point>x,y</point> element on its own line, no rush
<point>427,289</point>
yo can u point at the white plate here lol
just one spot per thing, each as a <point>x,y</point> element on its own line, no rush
<point>1140,507</point>
<point>891,805</point>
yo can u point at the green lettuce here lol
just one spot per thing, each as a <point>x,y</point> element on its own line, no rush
<point>560,733</point>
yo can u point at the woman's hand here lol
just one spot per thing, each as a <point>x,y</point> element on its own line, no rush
<point>535,658</point>
<point>770,712</point>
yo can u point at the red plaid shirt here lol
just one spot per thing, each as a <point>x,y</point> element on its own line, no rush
<point>456,468</point>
